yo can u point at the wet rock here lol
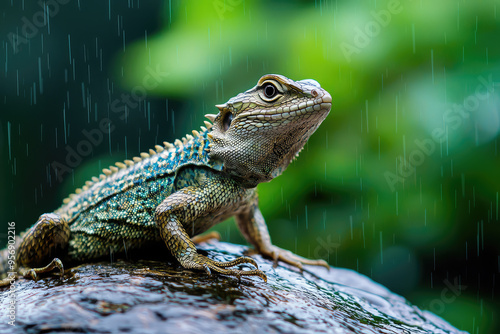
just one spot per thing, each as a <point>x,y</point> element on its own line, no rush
<point>161,297</point>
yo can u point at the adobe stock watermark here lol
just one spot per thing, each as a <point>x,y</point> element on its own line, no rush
<point>325,248</point>
<point>94,137</point>
<point>448,295</point>
<point>11,268</point>
<point>363,37</point>
<point>40,19</point>
<point>453,118</point>
<point>223,6</point>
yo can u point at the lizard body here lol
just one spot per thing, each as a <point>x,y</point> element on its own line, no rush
<point>180,190</point>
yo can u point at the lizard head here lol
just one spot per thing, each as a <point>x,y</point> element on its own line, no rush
<point>256,134</point>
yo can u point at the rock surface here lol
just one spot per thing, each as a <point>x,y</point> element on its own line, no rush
<point>161,297</point>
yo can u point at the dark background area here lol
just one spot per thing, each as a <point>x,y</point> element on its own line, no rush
<point>372,191</point>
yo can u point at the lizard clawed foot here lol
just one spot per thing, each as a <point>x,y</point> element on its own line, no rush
<point>278,254</point>
<point>203,262</point>
<point>33,273</point>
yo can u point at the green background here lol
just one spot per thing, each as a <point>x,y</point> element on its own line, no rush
<point>372,190</point>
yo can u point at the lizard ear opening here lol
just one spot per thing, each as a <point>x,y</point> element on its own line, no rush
<point>226,121</point>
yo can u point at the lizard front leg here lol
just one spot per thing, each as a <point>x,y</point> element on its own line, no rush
<point>253,227</point>
<point>183,208</point>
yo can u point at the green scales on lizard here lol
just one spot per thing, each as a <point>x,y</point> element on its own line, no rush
<point>180,190</point>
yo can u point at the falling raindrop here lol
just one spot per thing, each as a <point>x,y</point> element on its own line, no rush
<point>363,229</point>
<point>10,146</point>
<point>381,249</point>
<point>413,36</point>
<point>64,124</point>
<point>432,65</point>
<point>350,224</point>
<point>69,47</point>
<point>126,148</point>
<point>307,221</point>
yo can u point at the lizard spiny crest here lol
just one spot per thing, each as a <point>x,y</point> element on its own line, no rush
<point>258,133</point>
<point>112,170</point>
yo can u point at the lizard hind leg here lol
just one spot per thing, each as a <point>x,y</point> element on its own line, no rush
<point>40,244</point>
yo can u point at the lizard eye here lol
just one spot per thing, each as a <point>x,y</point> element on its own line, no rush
<point>269,90</point>
<point>226,121</point>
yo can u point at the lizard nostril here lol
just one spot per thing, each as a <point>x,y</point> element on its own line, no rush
<point>314,93</point>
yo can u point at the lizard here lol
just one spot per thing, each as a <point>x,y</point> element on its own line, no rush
<point>177,191</point>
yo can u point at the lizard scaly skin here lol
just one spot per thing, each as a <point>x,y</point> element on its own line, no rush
<point>178,191</point>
